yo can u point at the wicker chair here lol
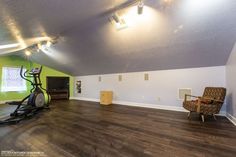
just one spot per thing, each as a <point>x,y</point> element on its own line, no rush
<point>209,104</point>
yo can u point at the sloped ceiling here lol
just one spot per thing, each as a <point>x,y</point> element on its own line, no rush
<point>179,34</point>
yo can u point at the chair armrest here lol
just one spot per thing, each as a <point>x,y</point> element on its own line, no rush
<point>187,95</point>
<point>216,100</point>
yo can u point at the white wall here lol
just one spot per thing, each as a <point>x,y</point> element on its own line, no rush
<point>160,90</point>
<point>231,82</point>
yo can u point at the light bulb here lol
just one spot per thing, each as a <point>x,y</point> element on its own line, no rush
<point>49,43</point>
<point>27,53</point>
<point>39,46</point>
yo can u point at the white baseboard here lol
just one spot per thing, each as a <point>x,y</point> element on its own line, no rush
<point>155,106</point>
<point>128,103</point>
<point>231,118</point>
<point>84,99</point>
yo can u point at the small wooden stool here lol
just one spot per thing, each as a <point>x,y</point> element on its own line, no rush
<point>106,97</point>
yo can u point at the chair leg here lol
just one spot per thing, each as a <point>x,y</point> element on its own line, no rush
<point>214,116</point>
<point>189,114</point>
<point>202,117</point>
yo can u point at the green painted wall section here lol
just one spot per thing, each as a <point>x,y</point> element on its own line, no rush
<point>15,61</point>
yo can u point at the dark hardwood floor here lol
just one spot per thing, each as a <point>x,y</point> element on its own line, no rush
<point>79,128</point>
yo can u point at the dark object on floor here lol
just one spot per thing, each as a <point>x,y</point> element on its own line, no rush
<point>209,104</point>
<point>38,99</point>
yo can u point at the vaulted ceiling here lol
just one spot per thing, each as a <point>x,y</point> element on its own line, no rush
<point>170,34</point>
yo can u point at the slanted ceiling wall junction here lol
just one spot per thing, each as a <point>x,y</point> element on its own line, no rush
<point>181,34</point>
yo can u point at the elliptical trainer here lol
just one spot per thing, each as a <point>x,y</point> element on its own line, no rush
<point>38,99</point>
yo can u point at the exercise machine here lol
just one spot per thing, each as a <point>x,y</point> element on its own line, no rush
<point>37,100</point>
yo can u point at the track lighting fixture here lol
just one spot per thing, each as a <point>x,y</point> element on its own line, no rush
<point>140,7</point>
<point>116,17</point>
<point>118,21</point>
<point>39,46</point>
<point>9,46</point>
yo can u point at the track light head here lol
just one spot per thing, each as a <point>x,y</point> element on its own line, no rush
<point>116,17</point>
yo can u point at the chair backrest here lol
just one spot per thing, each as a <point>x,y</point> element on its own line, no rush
<point>215,92</point>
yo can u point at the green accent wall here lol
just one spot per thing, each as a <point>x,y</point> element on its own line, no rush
<point>15,61</point>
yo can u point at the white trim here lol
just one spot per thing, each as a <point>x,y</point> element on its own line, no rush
<point>155,106</point>
<point>84,99</point>
<point>231,118</point>
<point>128,103</point>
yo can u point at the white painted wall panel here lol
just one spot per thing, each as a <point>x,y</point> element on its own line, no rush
<point>161,88</point>
<point>231,82</point>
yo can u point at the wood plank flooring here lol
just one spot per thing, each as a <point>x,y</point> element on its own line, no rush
<point>84,129</point>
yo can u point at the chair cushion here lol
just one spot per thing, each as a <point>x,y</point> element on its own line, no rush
<point>190,105</point>
<point>206,101</point>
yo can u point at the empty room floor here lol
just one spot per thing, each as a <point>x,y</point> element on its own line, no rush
<point>80,128</point>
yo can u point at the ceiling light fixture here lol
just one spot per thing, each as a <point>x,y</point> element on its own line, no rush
<point>27,53</point>
<point>118,21</point>
<point>49,43</point>
<point>39,45</point>
<point>9,46</point>
<point>140,7</point>
<point>116,17</point>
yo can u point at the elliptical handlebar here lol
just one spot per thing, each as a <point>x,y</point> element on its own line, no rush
<point>33,73</point>
<point>23,75</point>
<point>27,71</point>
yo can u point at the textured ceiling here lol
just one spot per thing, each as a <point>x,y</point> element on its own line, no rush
<point>181,34</point>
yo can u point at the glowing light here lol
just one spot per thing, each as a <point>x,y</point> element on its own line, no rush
<point>27,53</point>
<point>132,18</point>
<point>49,43</point>
<point>180,27</point>
<point>39,46</point>
<point>140,7</point>
<point>16,32</point>
<point>13,28</point>
<point>9,46</point>
<point>119,22</point>
<point>167,1</point>
<point>201,5</point>
<point>140,29</point>
<point>55,54</point>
